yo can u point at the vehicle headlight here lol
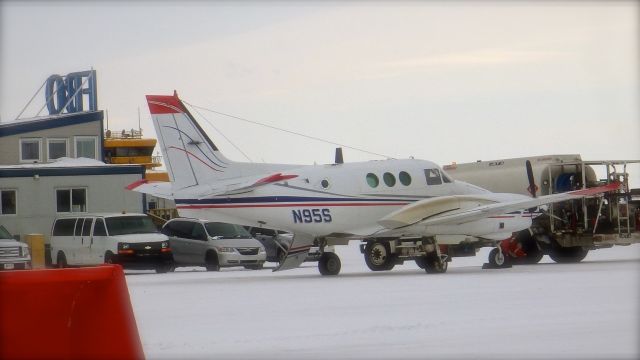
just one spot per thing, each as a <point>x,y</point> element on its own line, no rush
<point>262,251</point>
<point>123,246</point>
<point>164,245</point>
<point>226,249</point>
<point>25,251</point>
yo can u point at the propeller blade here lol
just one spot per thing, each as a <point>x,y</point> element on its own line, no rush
<point>532,184</point>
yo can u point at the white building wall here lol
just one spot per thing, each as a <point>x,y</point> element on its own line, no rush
<point>36,199</point>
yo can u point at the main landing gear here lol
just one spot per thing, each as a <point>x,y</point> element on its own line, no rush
<point>329,264</point>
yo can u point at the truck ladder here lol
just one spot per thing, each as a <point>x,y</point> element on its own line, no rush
<point>622,198</point>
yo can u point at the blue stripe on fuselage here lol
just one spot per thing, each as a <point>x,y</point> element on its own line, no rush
<point>283,199</point>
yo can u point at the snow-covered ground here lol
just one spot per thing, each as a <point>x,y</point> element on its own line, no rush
<point>588,310</point>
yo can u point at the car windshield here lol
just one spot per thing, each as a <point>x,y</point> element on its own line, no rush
<point>4,234</point>
<point>123,225</point>
<point>226,231</point>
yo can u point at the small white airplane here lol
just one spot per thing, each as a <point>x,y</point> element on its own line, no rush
<point>401,209</point>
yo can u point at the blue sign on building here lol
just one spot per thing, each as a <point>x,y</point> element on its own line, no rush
<point>68,92</point>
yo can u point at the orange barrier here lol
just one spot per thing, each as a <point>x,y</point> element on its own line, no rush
<point>82,313</point>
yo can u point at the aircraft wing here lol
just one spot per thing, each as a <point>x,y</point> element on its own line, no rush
<point>160,189</point>
<point>235,186</point>
<point>422,212</point>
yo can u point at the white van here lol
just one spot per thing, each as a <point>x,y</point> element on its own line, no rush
<point>131,240</point>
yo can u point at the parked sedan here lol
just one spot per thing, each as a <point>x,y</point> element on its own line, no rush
<point>196,242</point>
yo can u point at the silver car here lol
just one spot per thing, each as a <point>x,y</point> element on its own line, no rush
<point>213,244</point>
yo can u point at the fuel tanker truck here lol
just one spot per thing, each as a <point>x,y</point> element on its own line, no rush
<point>565,231</point>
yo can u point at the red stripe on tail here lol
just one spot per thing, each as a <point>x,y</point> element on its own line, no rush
<point>165,104</point>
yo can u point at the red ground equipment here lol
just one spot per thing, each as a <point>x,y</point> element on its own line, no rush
<point>82,313</point>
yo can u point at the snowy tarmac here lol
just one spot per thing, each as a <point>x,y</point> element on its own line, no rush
<point>588,310</point>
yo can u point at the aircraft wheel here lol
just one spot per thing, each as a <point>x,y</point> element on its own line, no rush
<point>498,258</point>
<point>329,264</point>
<point>433,265</point>
<point>377,256</point>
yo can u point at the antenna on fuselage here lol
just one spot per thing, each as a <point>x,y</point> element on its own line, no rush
<point>339,158</point>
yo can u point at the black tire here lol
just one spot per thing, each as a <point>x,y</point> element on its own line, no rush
<point>534,256</point>
<point>254,267</point>
<point>109,258</point>
<point>498,258</point>
<point>567,255</point>
<point>281,256</point>
<point>61,261</point>
<point>421,262</point>
<point>329,264</point>
<point>531,247</point>
<point>211,262</point>
<point>433,265</point>
<point>165,267</point>
<point>377,256</point>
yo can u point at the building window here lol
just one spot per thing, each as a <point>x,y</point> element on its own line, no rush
<point>31,150</point>
<point>71,200</point>
<point>9,204</point>
<point>57,148</point>
<point>86,146</point>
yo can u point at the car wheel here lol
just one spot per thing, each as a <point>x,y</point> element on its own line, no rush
<point>165,267</point>
<point>109,258</point>
<point>211,262</point>
<point>61,262</point>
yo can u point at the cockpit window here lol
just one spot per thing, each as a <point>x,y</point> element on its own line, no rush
<point>433,176</point>
<point>446,178</point>
<point>372,180</point>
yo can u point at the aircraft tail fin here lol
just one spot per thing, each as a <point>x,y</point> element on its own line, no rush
<point>189,154</point>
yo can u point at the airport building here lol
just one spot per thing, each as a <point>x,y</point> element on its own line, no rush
<point>53,166</point>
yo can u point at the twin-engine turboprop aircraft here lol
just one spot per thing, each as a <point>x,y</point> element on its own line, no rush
<point>402,209</point>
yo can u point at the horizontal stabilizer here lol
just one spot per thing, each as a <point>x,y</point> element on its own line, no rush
<point>160,189</point>
<point>235,186</point>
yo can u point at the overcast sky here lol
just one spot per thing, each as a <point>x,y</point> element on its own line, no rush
<point>442,81</point>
